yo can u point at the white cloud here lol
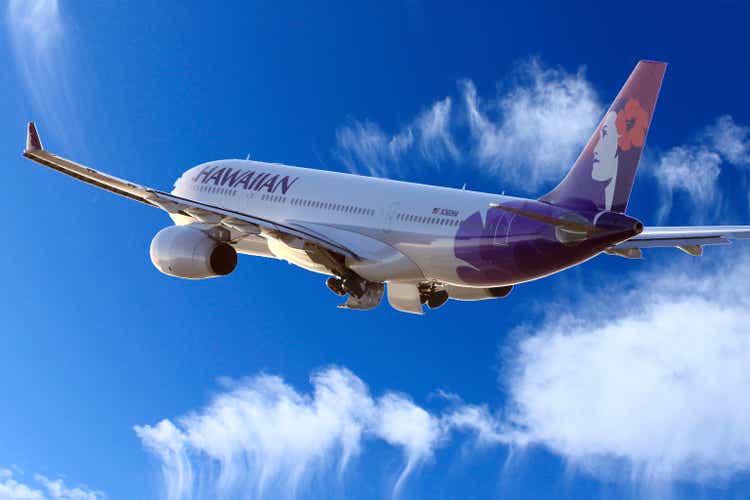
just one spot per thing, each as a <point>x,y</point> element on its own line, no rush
<point>403,424</point>
<point>266,436</point>
<point>542,122</point>
<point>40,44</point>
<point>691,169</point>
<point>38,26</point>
<point>694,168</point>
<point>649,384</point>
<point>46,489</point>
<point>11,489</point>
<point>730,140</point>
<point>433,130</point>
<point>365,148</point>
<point>58,490</point>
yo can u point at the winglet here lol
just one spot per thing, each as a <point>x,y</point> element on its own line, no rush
<point>33,143</point>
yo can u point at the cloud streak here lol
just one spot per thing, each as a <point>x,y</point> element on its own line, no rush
<point>266,436</point>
<point>41,49</point>
<point>528,134</point>
<point>693,169</point>
<point>364,147</point>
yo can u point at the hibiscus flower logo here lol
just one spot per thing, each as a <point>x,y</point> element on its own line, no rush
<point>632,123</point>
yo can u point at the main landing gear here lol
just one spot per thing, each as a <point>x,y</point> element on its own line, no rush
<point>336,285</point>
<point>352,286</point>
<point>362,294</point>
<point>430,294</point>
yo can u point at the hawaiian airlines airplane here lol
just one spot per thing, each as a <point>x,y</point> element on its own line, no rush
<point>425,244</point>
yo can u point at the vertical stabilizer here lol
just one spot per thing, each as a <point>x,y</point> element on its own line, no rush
<point>602,176</point>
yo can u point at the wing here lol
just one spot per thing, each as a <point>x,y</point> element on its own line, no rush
<point>690,240</point>
<point>240,223</point>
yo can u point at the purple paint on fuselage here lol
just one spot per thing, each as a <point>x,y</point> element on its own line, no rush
<point>503,249</point>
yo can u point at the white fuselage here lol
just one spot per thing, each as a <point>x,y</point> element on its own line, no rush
<point>404,231</point>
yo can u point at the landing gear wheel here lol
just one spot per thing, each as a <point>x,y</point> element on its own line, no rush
<point>336,286</point>
<point>437,299</point>
<point>354,287</point>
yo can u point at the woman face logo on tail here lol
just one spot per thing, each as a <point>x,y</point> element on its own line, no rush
<point>605,157</point>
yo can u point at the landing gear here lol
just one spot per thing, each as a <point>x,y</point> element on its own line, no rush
<point>437,299</point>
<point>362,294</point>
<point>352,285</point>
<point>433,296</point>
<point>336,285</point>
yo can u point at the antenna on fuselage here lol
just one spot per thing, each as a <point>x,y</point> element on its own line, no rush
<point>248,156</point>
<point>463,188</point>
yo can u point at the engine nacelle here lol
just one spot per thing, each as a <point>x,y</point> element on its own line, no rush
<point>188,252</point>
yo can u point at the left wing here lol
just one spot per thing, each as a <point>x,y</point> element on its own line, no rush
<point>690,240</point>
<point>242,223</point>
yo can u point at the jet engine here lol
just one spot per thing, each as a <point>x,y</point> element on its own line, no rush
<point>188,252</point>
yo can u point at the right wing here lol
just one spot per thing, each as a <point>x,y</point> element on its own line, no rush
<point>244,224</point>
<point>690,240</point>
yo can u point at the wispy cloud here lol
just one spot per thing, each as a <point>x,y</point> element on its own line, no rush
<point>364,147</point>
<point>43,489</point>
<point>528,134</point>
<point>531,132</point>
<point>41,48</point>
<point>266,436</point>
<point>404,425</point>
<point>691,169</point>
<point>730,139</point>
<point>694,168</point>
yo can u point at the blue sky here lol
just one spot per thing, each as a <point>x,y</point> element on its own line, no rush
<point>617,379</point>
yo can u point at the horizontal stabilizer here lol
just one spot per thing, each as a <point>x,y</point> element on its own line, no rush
<point>552,221</point>
<point>690,240</point>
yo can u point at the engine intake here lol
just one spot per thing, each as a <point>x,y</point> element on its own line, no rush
<point>188,252</point>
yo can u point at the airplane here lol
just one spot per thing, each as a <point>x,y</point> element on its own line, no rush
<point>424,244</point>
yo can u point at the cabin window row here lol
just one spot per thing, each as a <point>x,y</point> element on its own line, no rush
<point>338,207</point>
<point>274,198</point>
<point>217,190</point>
<point>421,219</point>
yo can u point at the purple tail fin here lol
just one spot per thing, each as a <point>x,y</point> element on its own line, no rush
<point>602,176</point>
